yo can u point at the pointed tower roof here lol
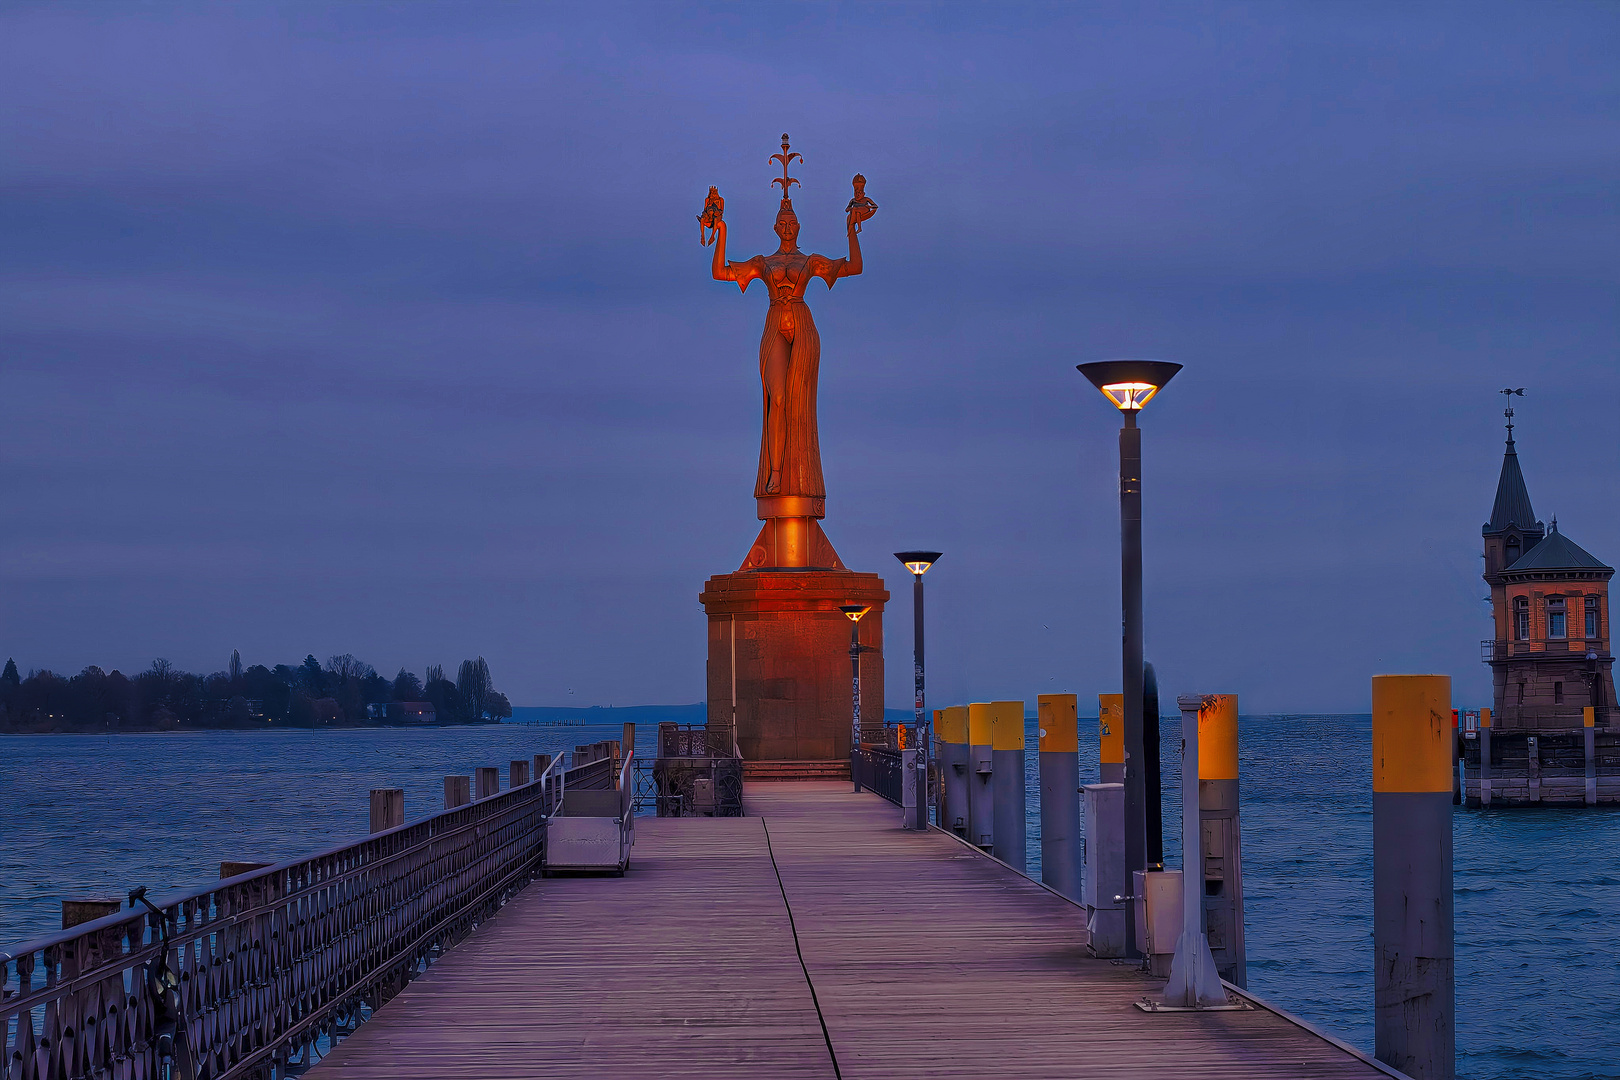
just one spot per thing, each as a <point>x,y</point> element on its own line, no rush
<point>1558,552</point>
<point>1512,506</point>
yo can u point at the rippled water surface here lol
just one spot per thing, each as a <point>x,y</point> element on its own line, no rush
<point>1537,892</point>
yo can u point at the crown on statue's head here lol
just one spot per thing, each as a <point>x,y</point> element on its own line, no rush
<point>785,180</point>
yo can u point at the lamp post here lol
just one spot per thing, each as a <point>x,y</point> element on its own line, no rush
<point>853,612</point>
<point>1129,385</point>
<point>918,563</point>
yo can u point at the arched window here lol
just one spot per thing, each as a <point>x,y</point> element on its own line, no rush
<point>1521,619</point>
<point>1513,550</point>
<point>1591,616</point>
<point>1557,627</point>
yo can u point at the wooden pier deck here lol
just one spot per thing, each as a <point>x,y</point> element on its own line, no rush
<point>920,958</point>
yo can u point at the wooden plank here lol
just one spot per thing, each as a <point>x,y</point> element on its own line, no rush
<point>928,960</point>
<point>932,960</point>
<point>684,966</point>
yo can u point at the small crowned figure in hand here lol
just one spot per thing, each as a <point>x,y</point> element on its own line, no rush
<point>860,207</point>
<point>709,220</point>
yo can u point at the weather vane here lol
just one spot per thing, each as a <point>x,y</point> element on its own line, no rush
<point>786,159</point>
<point>1508,412</point>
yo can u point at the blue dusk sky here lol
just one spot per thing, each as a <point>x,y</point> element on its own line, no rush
<point>385,329</point>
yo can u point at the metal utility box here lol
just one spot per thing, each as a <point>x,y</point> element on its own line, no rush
<point>1104,876</point>
<point>1158,899</point>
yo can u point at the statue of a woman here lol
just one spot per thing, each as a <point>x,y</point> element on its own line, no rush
<point>790,350</point>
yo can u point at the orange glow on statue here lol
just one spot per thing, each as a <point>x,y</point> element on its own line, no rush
<point>789,485</point>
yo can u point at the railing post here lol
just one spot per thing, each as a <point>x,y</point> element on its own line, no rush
<point>981,798</point>
<point>230,868</point>
<point>457,791</point>
<point>387,808</point>
<point>1457,758</point>
<point>1007,738</point>
<point>1061,842</point>
<point>489,781</point>
<point>1414,988</point>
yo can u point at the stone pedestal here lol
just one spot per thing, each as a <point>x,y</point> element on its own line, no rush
<point>790,678</point>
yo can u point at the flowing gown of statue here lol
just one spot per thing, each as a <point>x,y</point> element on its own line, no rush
<point>789,321</point>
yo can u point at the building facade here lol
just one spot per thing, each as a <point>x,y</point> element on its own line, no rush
<point>1550,655</point>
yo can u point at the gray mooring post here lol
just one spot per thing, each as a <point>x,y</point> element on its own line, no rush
<point>1111,738</point>
<point>953,767</point>
<point>1414,977</point>
<point>1007,742</point>
<point>457,791</point>
<point>75,912</point>
<point>1104,876</point>
<point>1532,750</point>
<point>981,797</point>
<point>1218,815</point>
<point>489,781</point>
<point>1589,731</point>
<point>1484,757</point>
<point>1061,842</point>
<point>517,772</point>
<point>387,808</point>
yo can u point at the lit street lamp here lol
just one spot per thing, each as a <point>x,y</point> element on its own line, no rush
<point>1129,385</point>
<point>918,563</point>
<point>854,612</point>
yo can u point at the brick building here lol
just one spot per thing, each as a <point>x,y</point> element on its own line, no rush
<point>1550,657</point>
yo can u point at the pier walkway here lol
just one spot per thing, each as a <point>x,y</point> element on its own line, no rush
<point>920,958</point>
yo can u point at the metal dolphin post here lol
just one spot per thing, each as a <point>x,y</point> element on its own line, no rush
<point>1194,982</point>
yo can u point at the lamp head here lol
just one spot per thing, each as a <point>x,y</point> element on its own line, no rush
<point>854,611</point>
<point>1129,384</point>
<point>918,562</point>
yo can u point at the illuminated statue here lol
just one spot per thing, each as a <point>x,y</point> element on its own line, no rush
<point>789,484</point>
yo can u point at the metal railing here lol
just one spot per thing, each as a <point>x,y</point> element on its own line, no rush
<point>698,771</point>
<point>277,963</point>
<point>1492,650</point>
<point>878,769</point>
<point>1532,718</point>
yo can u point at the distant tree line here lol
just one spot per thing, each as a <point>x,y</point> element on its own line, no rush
<point>344,691</point>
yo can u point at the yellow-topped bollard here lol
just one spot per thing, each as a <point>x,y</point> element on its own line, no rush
<point>951,728</point>
<point>1062,842</point>
<point>1221,832</point>
<point>1007,741</point>
<point>1111,738</point>
<point>1414,987</point>
<point>981,799</point>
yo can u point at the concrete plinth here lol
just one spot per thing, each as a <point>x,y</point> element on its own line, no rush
<point>779,647</point>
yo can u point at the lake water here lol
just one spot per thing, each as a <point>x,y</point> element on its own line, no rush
<point>1537,892</point>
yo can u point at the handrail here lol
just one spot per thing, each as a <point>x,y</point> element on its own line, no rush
<point>561,777</point>
<point>276,961</point>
